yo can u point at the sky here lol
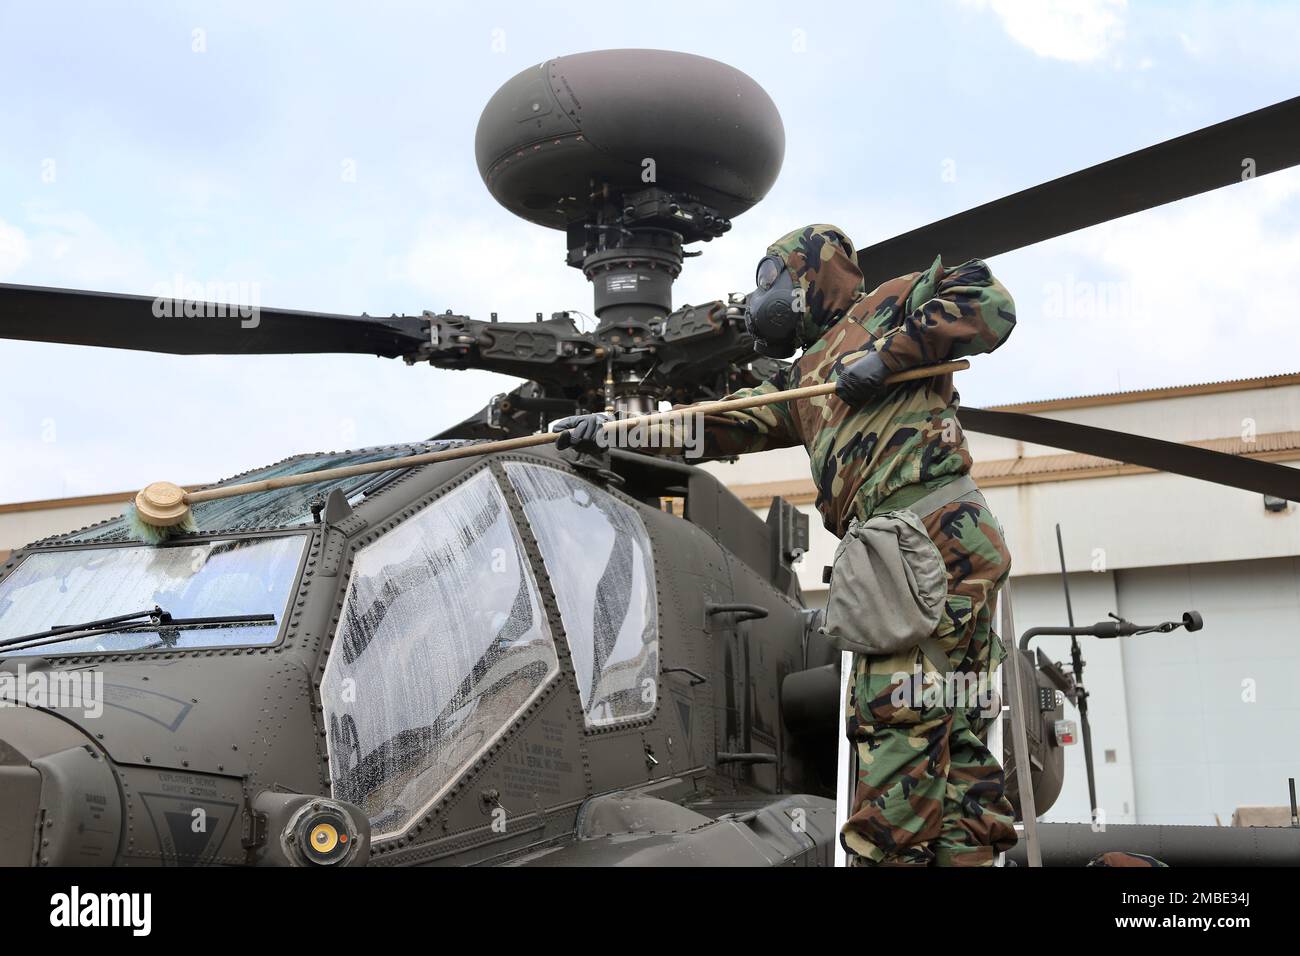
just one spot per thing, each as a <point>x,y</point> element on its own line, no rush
<point>320,155</point>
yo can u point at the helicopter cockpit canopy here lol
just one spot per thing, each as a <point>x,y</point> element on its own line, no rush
<point>445,638</point>
<point>597,556</point>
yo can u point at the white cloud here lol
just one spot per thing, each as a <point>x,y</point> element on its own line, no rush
<point>1208,275</point>
<point>1077,31</point>
<point>1190,46</point>
<point>70,249</point>
<point>14,249</point>
<point>1197,291</point>
<point>513,269</point>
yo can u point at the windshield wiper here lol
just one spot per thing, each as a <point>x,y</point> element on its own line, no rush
<point>170,627</point>
<point>155,617</point>
<point>154,614</point>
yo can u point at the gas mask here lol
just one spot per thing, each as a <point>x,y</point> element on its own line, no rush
<point>772,311</point>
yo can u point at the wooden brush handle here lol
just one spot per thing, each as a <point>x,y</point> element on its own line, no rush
<point>546,438</point>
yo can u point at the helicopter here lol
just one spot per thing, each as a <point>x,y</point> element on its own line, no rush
<point>539,657</point>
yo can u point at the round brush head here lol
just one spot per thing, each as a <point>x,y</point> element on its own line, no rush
<point>162,504</point>
<point>159,513</point>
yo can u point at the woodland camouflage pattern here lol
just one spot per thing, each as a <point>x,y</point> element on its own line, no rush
<point>910,434</point>
<point>928,789</point>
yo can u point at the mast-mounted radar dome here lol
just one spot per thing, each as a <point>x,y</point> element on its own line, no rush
<point>633,153</point>
<point>617,121</point>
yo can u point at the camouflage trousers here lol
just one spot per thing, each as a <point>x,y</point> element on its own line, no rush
<point>928,791</point>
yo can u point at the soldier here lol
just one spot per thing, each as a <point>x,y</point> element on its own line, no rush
<point>928,791</point>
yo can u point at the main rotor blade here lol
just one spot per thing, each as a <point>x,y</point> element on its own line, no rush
<point>1249,474</point>
<point>185,327</point>
<point>1175,169</point>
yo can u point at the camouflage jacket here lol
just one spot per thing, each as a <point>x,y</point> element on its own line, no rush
<point>907,436</point>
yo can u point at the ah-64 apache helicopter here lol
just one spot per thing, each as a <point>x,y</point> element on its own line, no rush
<point>525,657</point>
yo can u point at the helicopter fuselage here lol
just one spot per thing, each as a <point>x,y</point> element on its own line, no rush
<point>512,659</point>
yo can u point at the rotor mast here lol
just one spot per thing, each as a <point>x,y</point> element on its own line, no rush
<point>633,154</point>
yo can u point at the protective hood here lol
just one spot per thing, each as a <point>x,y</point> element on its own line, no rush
<point>820,258</point>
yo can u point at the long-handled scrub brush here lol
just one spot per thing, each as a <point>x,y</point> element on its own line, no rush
<point>163,510</point>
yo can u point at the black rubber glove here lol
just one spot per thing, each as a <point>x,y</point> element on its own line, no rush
<point>863,380</point>
<point>582,432</point>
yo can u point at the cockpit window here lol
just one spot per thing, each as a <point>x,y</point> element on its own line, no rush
<point>599,559</point>
<point>206,579</point>
<point>279,507</point>
<point>442,643</point>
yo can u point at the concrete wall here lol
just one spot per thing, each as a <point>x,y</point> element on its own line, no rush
<point>22,527</point>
